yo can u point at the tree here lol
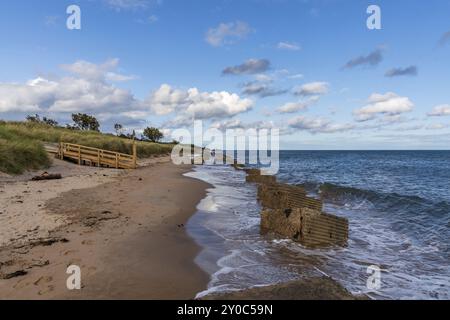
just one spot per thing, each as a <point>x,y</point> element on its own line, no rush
<point>85,122</point>
<point>37,119</point>
<point>34,119</point>
<point>153,134</point>
<point>72,127</point>
<point>119,129</point>
<point>50,122</point>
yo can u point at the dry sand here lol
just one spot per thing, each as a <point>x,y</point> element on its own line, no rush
<point>22,214</point>
<point>124,229</point>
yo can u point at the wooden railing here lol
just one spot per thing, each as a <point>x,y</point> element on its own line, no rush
<point>98,157</point>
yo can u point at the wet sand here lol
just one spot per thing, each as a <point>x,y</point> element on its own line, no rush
<point>316,288</point>
<point>127,235</point>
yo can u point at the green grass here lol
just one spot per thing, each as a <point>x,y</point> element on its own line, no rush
<point>21,144</point>
<point>18,155</point>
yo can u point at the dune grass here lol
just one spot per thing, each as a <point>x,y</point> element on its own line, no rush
<point>21,144</point>
<point>18,155</point>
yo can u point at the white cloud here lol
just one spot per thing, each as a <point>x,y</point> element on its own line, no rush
<point>289,46</point>
<point>264,78</point>
<point>135,114</point>
<point>441,110</point>
<point>120,5</point>
<point>262,89</point>
<point>389,103</point>
<point>51,21</point>
<point>318,125</point>
<point>87,88</point>
<point>311,89</point>
<point>152,19</point>
<point>97,72</point>
<point>227,33</point>
<point>393,118</point>
<point>251,66</point>
<point>194,103</point>
<point>437,126</point>
<point>204,105</point>
<point>81,95</point>
<point>115,77</point>
<point>166,99</point>
<point>149,20</point>
<point>292,107</point>
<point>238,124</point>
<point>296,76</point>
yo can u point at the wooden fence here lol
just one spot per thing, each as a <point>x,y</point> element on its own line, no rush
<point>98,157</point>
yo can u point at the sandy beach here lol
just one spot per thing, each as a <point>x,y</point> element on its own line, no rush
<point>125,230</point>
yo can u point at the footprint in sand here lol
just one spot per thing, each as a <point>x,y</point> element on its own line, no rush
<point>43,280</point>
<point>46,290</point>
<point>66,253</point>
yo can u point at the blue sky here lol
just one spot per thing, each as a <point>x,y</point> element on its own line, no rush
<point>309,67</point>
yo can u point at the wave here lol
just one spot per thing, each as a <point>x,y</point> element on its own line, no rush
<point>338,194</point>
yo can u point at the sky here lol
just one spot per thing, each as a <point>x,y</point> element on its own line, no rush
<point>311,68</point>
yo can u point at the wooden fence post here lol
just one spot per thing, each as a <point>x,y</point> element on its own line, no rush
<point>134,154</point>
<point>61,150</point>
<point>79,155</point>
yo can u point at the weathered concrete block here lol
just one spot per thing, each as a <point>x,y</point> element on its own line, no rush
<point>255,176</point>
<point>270,196</point>
<point>325,230</point>
<point>261,179</point>
<point>284,196</point>
<point>309,227</point>
<point>253,172</point>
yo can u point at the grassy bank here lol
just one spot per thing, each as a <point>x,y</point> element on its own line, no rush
<point>18,155</point>
<point>21,144</point>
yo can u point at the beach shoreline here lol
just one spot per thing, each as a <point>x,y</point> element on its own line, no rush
<point>126,232</point>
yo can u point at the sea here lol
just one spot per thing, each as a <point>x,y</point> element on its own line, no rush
<point>397,204</point>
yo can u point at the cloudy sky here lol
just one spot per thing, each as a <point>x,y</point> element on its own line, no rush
<point>309,67</point>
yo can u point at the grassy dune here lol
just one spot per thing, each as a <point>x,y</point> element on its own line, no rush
<point>21,144</point>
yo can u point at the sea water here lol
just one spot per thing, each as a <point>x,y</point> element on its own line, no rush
<point>397,203</point>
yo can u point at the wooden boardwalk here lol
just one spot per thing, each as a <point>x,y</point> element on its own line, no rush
<point>97,157</point>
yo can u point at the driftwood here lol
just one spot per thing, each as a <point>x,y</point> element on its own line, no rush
<point>47,176</point>
<point>12,275</point>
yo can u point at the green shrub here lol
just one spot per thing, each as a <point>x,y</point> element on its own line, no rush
<point>18,155</point>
